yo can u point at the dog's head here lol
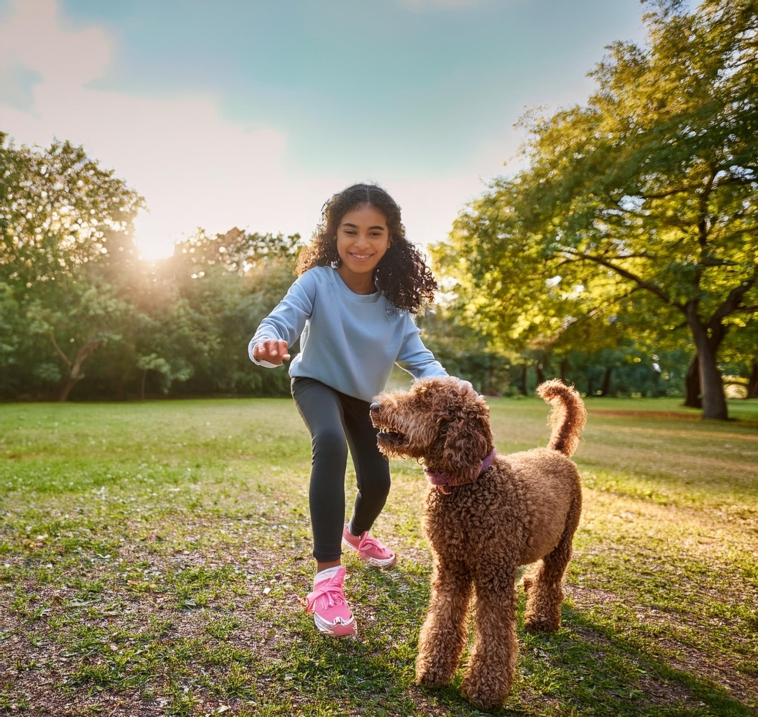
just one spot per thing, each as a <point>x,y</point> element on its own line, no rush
<point>440,422</point>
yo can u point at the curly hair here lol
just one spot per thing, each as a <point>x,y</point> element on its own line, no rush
<point>401,275</point>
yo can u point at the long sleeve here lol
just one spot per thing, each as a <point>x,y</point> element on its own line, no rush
<point>287,320</point>
<point>415,357</point>
<point>348,341</point>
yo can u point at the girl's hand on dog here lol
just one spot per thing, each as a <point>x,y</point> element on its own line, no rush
<point>465,387</point>
<point>272,351</point>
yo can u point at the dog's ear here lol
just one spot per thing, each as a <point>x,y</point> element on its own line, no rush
<point>468,440</point>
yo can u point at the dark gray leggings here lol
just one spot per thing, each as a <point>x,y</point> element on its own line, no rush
<point>336,421</point>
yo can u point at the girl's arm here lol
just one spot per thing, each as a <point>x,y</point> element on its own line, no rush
<point>415,357</point>
<point>282,327</point>
<point>420,361</point>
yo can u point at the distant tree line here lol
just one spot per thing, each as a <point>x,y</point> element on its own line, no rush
<point>82,315</point>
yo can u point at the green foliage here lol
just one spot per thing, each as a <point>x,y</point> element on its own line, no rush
<point>60,211</point>
<point>66,255</point>
<point>236,250</point>
<point>226,308</point>
<point>72,285</point>
<point>464,352</point>
<point>647,191</point>
<point>633,232</point>
<point>11,324</point>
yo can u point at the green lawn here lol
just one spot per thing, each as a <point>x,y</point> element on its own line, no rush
<point>151,557</point>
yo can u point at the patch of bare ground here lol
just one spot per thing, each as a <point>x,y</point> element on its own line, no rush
<point>41,664</point>
<point>682,433</point>
<point>668,415</point>
<point>719,669</point>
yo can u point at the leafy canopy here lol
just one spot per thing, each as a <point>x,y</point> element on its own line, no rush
<point>649,187</point>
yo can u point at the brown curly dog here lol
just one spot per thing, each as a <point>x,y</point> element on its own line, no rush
<point>485,515</point>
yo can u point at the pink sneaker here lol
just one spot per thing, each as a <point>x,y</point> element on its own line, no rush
<point>370,550</point>
<point>328,605</point>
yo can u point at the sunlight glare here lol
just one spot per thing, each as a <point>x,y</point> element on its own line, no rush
<point>152,240</point>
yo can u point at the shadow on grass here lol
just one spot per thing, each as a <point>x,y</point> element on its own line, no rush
<point>585,669</point>
<point>600,672</point>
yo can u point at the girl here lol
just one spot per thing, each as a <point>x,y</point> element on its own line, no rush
<point>359,282</point>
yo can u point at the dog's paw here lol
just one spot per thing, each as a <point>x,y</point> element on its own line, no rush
<point>431,676</point>
<point>486,697</point>
<point>537,623</point>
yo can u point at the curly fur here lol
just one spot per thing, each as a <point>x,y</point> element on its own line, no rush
<point>523,510</point>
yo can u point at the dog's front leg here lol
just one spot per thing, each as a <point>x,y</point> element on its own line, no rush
<point>492,666</point>
<point>443,634</point>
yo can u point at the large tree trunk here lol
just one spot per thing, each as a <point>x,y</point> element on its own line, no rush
<point>540,373</point>
<point>76,375</point>
<point>605,387</point>
<point>714,400</point>
<point>524,369</point>
<point>752,384</point>
<point>564,369</point>
<point>692,394</point>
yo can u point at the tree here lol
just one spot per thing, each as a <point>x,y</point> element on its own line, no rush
<point>236,251</point>
<point>649,188</point>
<point>464,352</point>
<point>84,318</point>
<point>11,333</point>
<point>66,253</point>
<point>59,210</point>
<point>225,295</point>
<point>740,353</point>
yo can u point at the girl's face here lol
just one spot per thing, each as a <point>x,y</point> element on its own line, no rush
<point>362,240</point>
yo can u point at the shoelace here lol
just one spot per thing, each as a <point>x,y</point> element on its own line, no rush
<point>368,542</point>
<point>333,593</point>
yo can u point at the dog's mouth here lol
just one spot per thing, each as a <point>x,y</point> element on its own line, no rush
<point>390,438</point>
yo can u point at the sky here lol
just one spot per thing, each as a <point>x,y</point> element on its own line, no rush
<point>252,113</point>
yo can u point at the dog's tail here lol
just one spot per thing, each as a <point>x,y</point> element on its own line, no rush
<point>567,417</point>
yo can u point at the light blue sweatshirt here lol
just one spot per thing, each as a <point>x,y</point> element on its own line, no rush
<point>349,341</point>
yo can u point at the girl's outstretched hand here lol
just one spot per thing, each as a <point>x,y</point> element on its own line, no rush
<point>271,351</point>
<point>465,387</point>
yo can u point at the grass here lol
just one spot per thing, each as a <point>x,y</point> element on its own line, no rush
<point>151,557</point>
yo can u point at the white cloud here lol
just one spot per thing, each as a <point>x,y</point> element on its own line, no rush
<point>66,59</point>
<point>193,166</point>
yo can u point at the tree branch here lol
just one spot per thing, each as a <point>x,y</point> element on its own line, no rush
<point>82,355</point>
<point>732,302</point>
<point>65,358</point>
<point>745,230</point>
<point>704,224</point>
<point>590,313</point>
<point>680,190</point>
<point>667,193</point>
<point>666,221</point>
<point>652,288</point>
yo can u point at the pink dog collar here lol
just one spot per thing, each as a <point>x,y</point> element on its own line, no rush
<point>440,480</point>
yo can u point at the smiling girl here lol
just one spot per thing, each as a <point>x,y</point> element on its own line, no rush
<point>359,283</point>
